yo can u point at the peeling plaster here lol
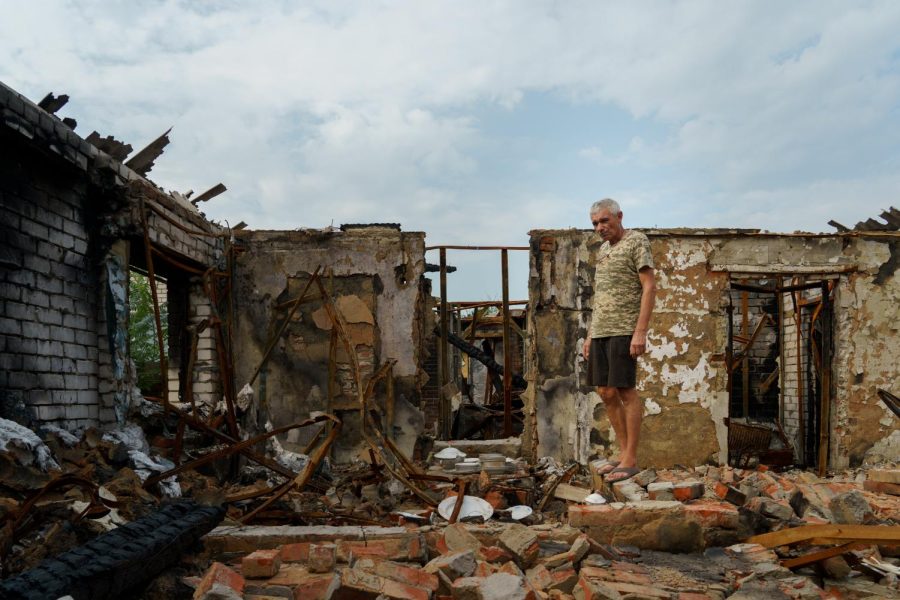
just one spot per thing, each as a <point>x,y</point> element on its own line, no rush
<point>688,332</point>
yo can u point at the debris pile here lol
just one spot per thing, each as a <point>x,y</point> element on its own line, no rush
<point>392,528</point>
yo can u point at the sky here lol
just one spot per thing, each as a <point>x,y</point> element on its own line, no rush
<point>477,122</point>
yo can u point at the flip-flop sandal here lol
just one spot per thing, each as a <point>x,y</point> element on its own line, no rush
<point>627,473</point>
<point>608,468</point>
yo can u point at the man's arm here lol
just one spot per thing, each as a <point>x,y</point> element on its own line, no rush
<point>648,299</point>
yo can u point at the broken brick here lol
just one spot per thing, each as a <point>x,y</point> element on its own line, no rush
<point>494,554</point>
<point>222,575</point>
<point>261,563</point>
<point>454,566</point>
<point>522,544</point>
<point>414,576</point>
<point>661,490</point>
<point>564,578</point>
<point>354,584</point>
<point>685,491</point>
<point>730,494</point>
<point>457,539</point>
<point>321,558</point>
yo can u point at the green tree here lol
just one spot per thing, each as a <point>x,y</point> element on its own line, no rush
<point>142,332</point>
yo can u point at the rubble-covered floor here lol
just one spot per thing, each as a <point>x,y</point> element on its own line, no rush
<point>356,531</point>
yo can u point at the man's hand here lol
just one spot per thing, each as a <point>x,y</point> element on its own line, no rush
<point>638,343</point>
<point>586,349</point>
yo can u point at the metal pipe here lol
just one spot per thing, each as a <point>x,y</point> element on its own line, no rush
<point>151,276</point>
<point>507,348</point>
<point>443,363</point>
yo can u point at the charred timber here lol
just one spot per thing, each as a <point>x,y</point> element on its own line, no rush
<point>481,357</point>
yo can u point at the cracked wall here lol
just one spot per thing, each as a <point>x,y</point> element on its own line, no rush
<point>374,275</point>
<point>682,379</point>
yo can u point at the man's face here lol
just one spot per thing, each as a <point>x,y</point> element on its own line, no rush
<point>607,224</point>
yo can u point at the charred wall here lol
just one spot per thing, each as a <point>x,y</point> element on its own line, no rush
<point>374,276</point>
<point>683,382</point>
<point>71,216</point>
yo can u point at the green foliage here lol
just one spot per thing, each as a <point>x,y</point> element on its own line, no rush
<point>142,332</point>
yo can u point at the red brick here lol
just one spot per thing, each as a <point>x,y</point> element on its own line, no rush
<point>730,494</point>
<point>588,589</point>
<point>219,573</point>
<point>398,572</point>
<point>484,569</point>
<point>688,490</point>
<point>882,487</point>
<point>539,577</point>
<point>711,515</point>
<point>321,558</point>
<point>563,580</point>
<point>354,584</point>
<point>262,563</point>
<point>298,552</point>
<point>494,554</point>
<point>589,515</point>
<point>639,591</point>
<point>402,549</point>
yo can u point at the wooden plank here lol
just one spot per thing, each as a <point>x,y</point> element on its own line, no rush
<point>814,557</point>
<point>859,533</point>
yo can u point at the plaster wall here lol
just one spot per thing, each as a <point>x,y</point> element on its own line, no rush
<point>682,379</point>
<point>374,275</point>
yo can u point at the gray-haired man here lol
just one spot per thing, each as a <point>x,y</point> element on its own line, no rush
<point>624,294</point>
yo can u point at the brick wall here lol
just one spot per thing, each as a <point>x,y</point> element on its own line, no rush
<point>51,342</point>
<point>71,226</point>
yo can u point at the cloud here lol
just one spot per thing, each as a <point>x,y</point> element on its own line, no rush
<point>773,115</point>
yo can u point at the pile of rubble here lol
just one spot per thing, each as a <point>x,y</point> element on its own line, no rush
<point>389,528</point>
<point>664,534</point>
<point>499,561</point>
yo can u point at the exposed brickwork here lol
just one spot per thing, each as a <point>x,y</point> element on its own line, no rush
<point>70,223</point>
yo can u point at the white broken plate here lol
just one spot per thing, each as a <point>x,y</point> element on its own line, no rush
<point>594,498</point>
<point>472,506</point>
<point>450,452</point>
<point>517,513</point>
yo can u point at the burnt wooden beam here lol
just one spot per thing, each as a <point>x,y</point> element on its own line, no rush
<point>142,162</point>
<point>209,194</point>
<point>52,103</point>
<point>116,149</point>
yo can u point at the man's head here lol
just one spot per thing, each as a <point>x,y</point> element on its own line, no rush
<point>607,219</point>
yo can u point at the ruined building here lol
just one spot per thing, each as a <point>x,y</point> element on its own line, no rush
<point>271,351</point>
<point>749,325</point>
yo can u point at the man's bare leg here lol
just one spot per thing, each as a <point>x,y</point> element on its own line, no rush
<point>632,412</point>
<point>615,412</point>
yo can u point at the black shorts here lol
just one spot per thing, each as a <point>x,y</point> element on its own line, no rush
<point>610,363</point>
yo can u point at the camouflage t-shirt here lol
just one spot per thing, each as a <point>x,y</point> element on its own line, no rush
<point>617,287</point>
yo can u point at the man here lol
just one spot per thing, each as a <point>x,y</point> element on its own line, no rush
<point>624,294</point>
